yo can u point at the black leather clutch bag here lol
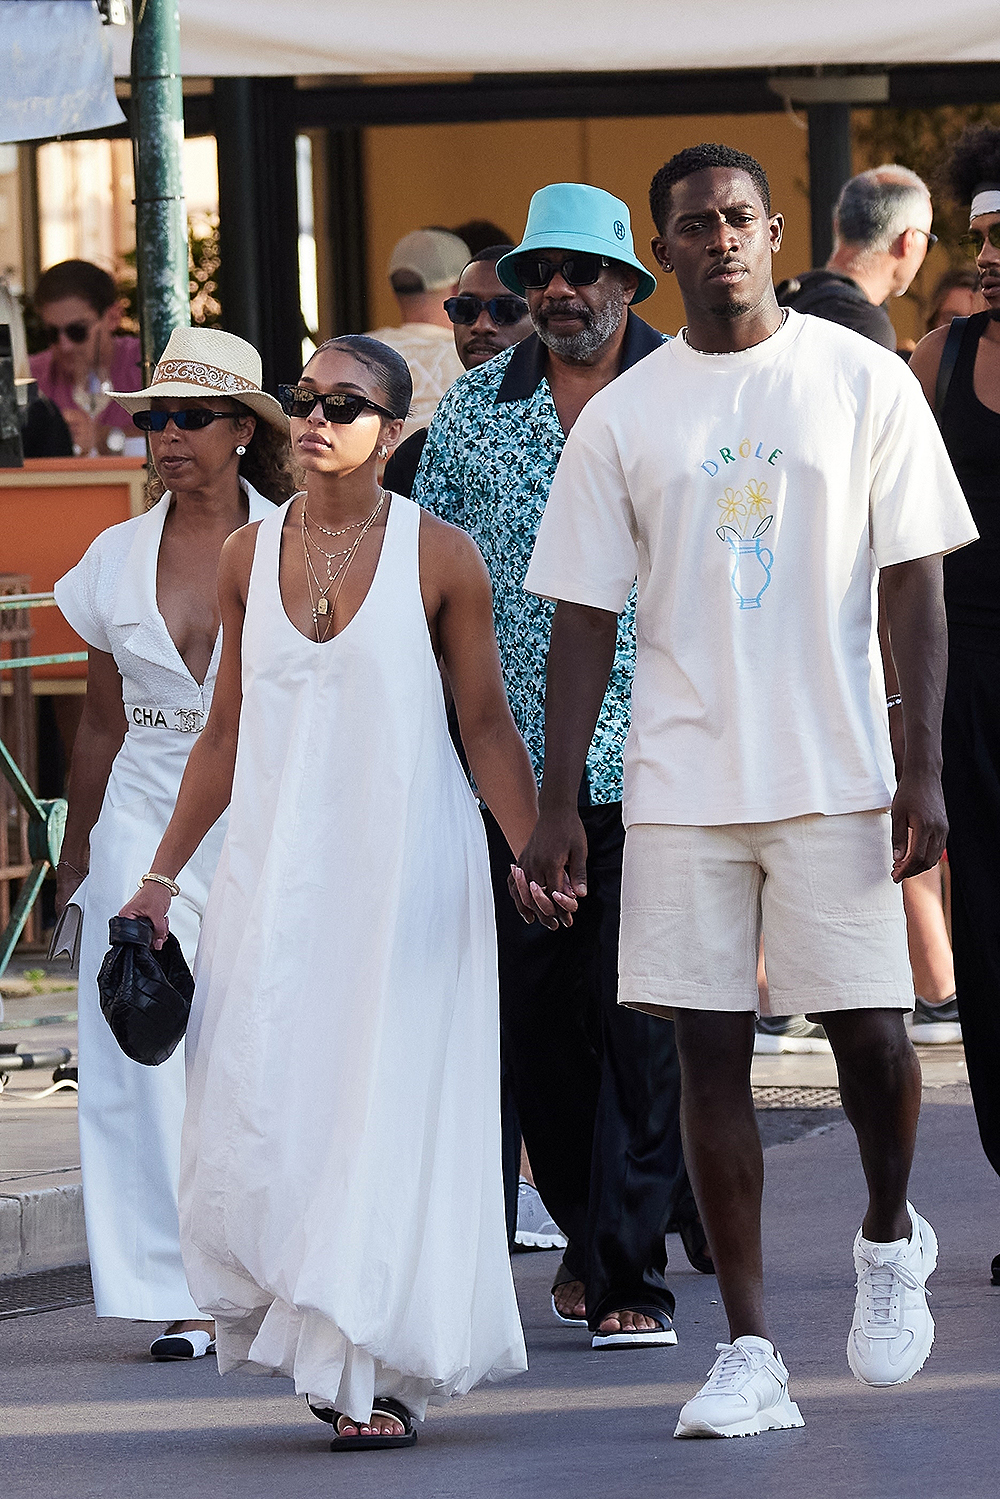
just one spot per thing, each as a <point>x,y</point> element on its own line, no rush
<point>145,994</point>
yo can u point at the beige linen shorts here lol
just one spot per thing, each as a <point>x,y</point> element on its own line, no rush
<point>696,899</point>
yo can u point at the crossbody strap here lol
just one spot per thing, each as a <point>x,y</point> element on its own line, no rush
<point>949,358</point>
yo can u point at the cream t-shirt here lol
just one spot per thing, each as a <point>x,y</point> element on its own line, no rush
<point>434,366</point>
<point>755,496</point>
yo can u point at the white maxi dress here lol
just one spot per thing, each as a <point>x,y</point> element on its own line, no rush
<point>341,1201</point>
<point>129,1115</point>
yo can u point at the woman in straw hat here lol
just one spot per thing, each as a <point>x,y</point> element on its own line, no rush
<point>341,1202</point>
<point>144,599</point>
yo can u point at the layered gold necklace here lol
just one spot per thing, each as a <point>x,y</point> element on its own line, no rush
<point>336,564</point>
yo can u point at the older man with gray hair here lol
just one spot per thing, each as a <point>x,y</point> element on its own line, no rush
<point>882,231</point>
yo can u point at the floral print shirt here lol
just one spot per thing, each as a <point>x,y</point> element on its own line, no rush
<point>487,466</point>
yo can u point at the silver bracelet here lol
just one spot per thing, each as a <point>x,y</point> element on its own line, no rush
<point>895,701</point>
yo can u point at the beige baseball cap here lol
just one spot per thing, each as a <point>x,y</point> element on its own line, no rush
<point>436,256</point>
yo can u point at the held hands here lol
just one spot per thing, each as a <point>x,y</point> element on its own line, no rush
<point>152,901</point>
<point>919,824</point>
<point>550,878</point>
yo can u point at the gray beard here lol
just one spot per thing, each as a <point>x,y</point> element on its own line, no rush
<point>579,347</point>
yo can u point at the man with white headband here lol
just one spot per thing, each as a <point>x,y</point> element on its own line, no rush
<point>959,368</point>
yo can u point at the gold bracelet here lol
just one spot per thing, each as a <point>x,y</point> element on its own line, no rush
<point>161,879</point>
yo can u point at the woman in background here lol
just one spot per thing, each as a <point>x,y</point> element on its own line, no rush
<point>144,598</point>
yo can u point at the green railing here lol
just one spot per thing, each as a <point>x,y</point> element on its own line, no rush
<point>46,819</point>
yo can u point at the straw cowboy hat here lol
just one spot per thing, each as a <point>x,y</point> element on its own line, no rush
<point>207,362</point>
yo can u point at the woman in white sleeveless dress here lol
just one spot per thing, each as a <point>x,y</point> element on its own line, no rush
<point>341,1201</point>
<point>144,599</point>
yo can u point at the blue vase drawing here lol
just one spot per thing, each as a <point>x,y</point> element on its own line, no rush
<point>752,563</point>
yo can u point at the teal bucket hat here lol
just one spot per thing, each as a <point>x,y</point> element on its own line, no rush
<point>572,216</point>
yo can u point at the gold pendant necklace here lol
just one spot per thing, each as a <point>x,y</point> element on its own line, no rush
<point>322,605</point>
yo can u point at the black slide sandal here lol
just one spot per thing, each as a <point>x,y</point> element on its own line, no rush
<point>382,1406</point>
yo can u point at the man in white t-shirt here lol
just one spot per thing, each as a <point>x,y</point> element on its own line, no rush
<point>756,475</point>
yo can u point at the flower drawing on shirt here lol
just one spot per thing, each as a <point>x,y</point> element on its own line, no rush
<point>733,509</point>
<point>746,514</point>
<point>756,497</point>
<point>745,510</point>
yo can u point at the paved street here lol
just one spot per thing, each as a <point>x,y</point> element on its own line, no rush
<point>84,1414</point>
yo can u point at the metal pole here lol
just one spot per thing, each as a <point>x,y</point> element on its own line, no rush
<point>157,146</point>
<point>243,290</point>
<point>829,168</point>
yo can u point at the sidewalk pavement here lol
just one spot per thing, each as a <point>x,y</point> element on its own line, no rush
<point>41,1202</point>
<point>84,1412</point>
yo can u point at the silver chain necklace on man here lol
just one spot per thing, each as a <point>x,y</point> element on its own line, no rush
<point>684,335</point>
<point>319,595</point>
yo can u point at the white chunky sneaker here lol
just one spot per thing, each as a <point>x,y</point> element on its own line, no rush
<point>746,1393</point>
<point>934,1025</point>
<point>535,1228</point>
<point>893,1330</point>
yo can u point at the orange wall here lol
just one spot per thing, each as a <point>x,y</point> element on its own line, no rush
<point>46,528</point>
<point>442,174</point>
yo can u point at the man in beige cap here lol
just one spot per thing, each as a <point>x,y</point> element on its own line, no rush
<point>424,269</point>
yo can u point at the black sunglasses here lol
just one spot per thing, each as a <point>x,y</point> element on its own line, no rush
<point>504,311</point>
<point>338,405</point>
<point>534,273</point>
<point>188,419</point>
<point>77,333</point>
<point>973,242</point>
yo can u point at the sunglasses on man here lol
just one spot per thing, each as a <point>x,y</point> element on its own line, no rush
<point>77,333</point>
<point>535,273</point>
<point>973,242</point>
<point>187,419</point>
<point>504,311</point>
<point>338,405</point>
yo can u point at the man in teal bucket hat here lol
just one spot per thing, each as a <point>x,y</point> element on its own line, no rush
<point>596,1086</point>
<point>577,217</point>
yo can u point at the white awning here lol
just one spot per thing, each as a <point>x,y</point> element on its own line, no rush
<point>57,70</point>
<point>268,37</point>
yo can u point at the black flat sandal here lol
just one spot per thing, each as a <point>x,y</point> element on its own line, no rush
<point>563,1278</point>
<point>384,1405</point>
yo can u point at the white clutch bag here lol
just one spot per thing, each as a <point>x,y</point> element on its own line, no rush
<point>66,936</point>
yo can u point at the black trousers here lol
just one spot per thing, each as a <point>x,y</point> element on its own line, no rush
<point>971,742</point>
<point>597,1087</point>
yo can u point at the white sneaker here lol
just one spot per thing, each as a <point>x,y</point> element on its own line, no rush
<point>893,1330</point>
<point>535,1228</point>
<point>789,1035</point>
<point>934,1025</point>
<point>745,1393</point>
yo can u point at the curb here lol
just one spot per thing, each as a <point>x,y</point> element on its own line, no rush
<point>41,1230</point>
